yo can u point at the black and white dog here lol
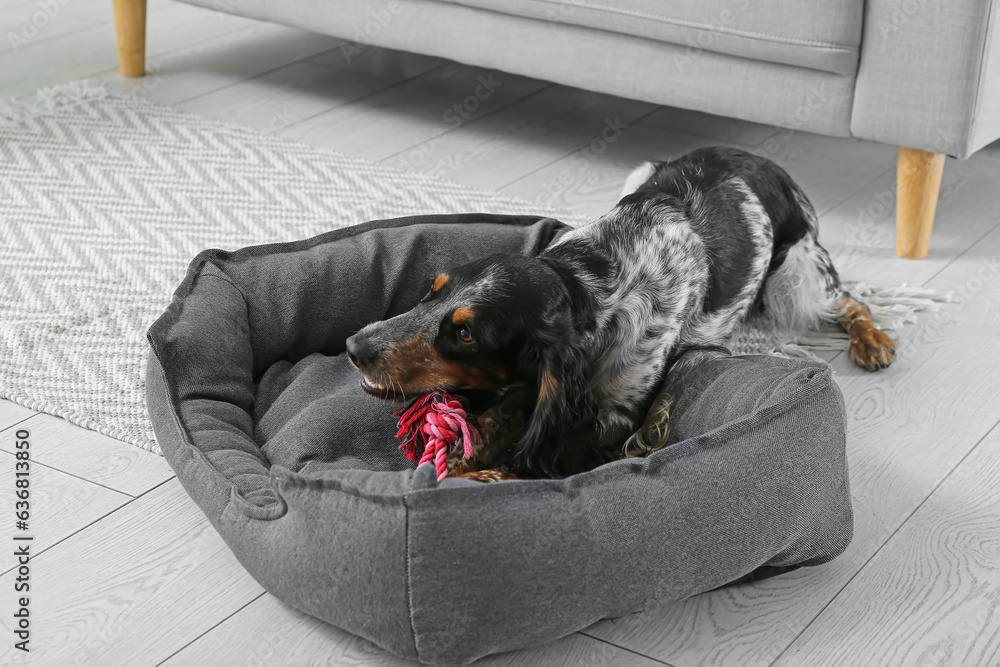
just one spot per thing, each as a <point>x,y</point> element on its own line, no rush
<point>694,247</point>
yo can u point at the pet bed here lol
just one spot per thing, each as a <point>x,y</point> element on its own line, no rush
<point>260,415</point>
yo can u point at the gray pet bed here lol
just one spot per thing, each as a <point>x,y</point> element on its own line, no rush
<point>261,417</point>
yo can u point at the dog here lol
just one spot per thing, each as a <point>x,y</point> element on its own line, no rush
<point>695,247</point>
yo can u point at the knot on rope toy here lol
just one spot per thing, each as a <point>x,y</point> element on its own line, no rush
<point>432,427</point>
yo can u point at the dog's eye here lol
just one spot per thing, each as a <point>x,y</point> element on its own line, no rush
<point>465,335</point>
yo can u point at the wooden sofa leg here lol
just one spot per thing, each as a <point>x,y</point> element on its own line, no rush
<point>130,26</point>
<point>918,182</point>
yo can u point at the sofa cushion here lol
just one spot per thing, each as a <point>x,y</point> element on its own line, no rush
<point>258,412</point>
<point>819,34</point>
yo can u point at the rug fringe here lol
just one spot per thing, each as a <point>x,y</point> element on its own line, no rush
<point>13,112</point>
<point>891,308</point>
<point>794,351</point>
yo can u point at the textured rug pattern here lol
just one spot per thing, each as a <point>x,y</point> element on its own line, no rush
<point>105,200</point>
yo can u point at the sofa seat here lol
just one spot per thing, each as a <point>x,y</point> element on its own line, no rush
<point>818,34</point>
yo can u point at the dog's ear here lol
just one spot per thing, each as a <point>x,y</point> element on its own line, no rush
<point>561,435</point>
<point>637,178</point>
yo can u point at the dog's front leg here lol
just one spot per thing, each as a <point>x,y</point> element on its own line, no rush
<point>501,426</point>
<point>492,475</point>
<point>870,348</point>
<point>655,429</point>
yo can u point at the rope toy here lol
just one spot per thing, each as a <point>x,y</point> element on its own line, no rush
<point>433,426</point>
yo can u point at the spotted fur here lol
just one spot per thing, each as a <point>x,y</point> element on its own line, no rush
<point>694,247</point>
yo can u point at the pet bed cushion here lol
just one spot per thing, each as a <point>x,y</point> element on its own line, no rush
<point>260,415</point>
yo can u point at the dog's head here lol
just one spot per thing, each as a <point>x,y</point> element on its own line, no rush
<point>496,321</point>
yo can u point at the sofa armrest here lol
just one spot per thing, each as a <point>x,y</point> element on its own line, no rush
<point>929,75</point>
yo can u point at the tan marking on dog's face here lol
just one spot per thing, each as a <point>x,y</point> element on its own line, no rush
<point>463,315</point>
<point>414,366</point>
<point>440,281</point>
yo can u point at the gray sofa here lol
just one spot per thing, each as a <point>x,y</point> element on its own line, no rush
<point>920,74</point>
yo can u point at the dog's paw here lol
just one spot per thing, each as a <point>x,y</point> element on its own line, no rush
<point>488,476</point>
<point>652,435</point>
<point>871,348</point>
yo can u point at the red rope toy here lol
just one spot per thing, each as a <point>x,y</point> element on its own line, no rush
<point>433,426</point>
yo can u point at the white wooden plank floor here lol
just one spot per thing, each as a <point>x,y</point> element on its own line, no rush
<point>129,572</point>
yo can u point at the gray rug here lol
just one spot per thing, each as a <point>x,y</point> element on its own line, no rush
<point>104,200</point>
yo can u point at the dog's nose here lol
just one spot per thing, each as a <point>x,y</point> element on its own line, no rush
<point>359,351</point>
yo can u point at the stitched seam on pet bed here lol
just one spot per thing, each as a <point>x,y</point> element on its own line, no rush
<point>223,278</point>
<point>296,480</point>
<point>409,577</point>
<point>845,490</point>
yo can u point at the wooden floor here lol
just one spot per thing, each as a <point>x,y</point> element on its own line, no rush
<point>128,572</point>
